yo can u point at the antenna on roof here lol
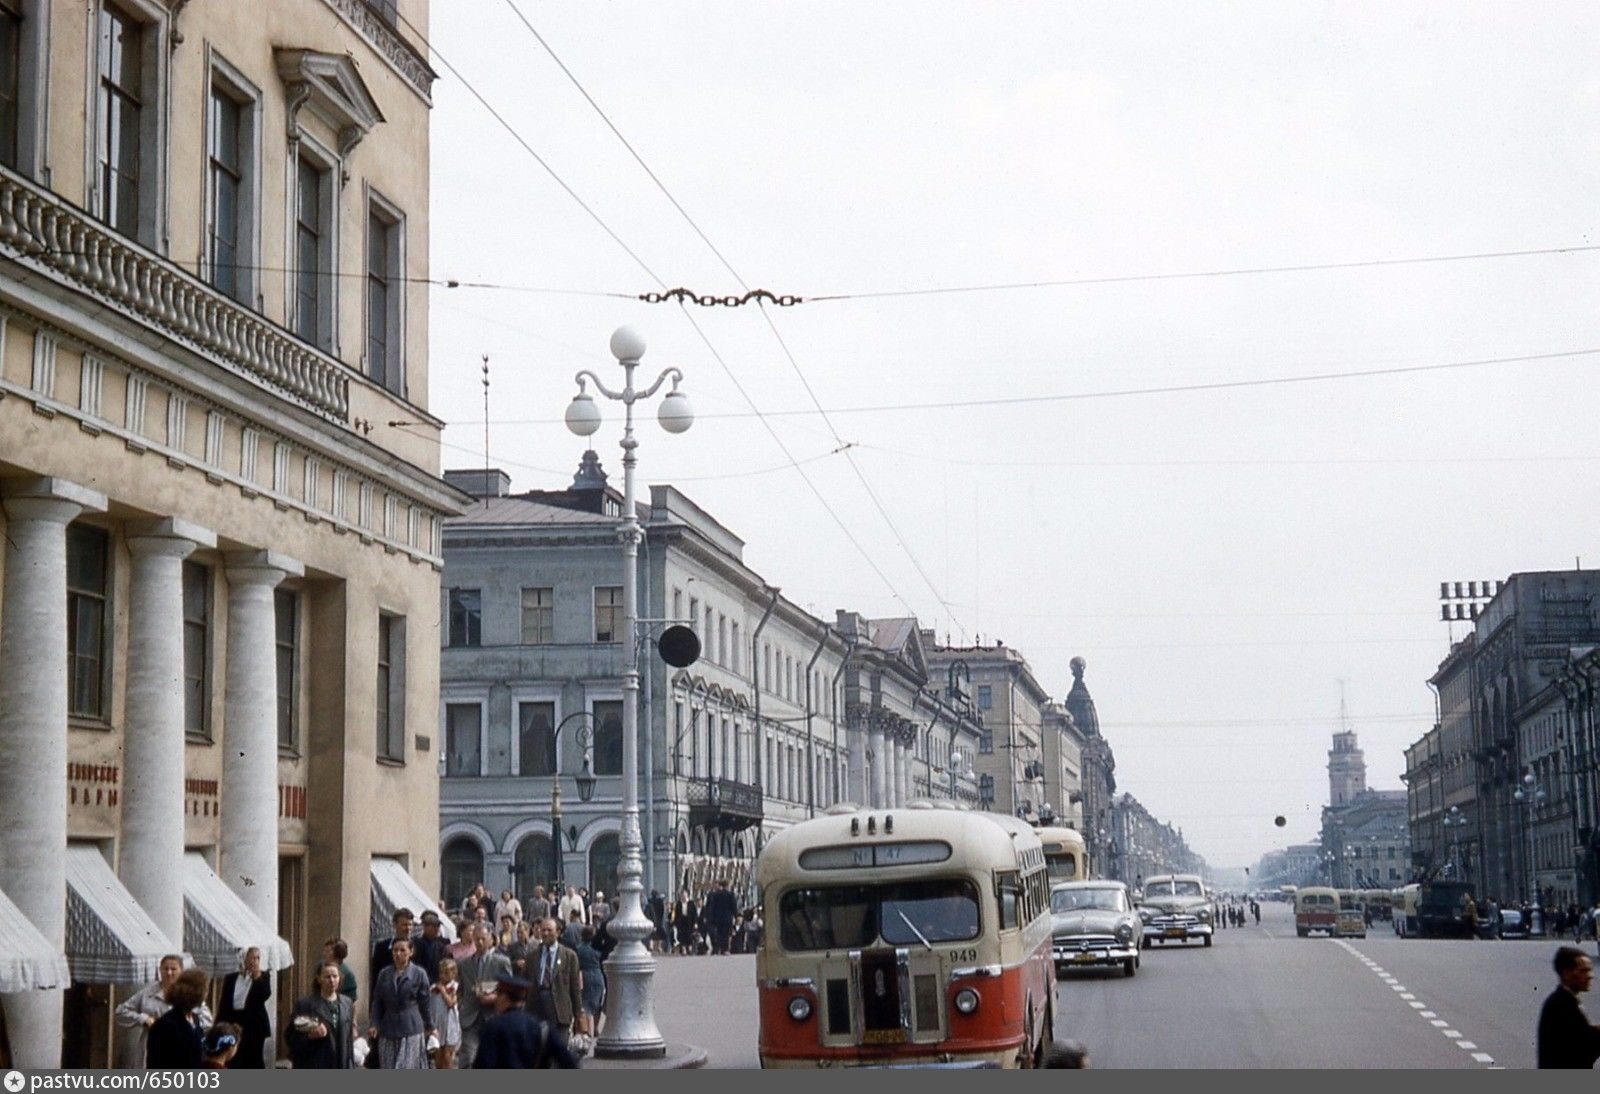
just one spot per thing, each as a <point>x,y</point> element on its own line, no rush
<point>488,491</point>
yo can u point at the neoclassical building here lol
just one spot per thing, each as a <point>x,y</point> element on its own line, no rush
<point>782,715</point>
<point>219,503</point>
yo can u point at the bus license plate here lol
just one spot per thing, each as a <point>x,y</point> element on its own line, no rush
<point>883,1036</point>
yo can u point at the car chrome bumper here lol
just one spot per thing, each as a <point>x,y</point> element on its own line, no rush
<point>1192,930</point>
<point>1069,955</point>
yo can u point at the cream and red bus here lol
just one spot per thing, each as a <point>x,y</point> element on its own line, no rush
<point>1064,853</point>
<point>917,936</point>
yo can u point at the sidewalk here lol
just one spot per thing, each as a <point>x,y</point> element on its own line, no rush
<point>705,1008</point>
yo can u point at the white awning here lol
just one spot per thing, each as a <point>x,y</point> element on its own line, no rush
<point>218,927</point>
<point>27,958</point>
<point>393,887</point>
<point>110,939</point>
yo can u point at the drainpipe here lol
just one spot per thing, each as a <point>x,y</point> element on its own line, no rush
<point>844,662</point>
<point>755,680</point>
<point>811,742</point>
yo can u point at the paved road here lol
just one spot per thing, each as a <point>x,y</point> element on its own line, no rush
<point>1260,997</point>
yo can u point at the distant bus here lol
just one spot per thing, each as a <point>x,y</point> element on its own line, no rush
<point>1064,854</point>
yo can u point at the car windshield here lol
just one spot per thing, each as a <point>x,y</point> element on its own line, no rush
<point>853,916</point>
<point>1103,900</point>
<point>1187,888</point>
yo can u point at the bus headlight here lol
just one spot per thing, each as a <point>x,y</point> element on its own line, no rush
<point>966,1000</point>
<point>799,1008</point>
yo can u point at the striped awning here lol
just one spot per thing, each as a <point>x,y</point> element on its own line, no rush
<point>28,960</point>
<point>393,887</point>
<point>110,939</point>
<point>218,927</point>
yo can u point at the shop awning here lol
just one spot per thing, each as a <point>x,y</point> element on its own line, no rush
<point>27,959</point>
<point>110,939</point>
<point>218,927</point>
<point>393,887</point>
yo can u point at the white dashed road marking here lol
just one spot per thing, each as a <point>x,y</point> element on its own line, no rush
<point>1419,1007</point>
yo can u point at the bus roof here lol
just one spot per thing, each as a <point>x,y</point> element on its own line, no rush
<point>1060,839</point>
<point>972,835</point>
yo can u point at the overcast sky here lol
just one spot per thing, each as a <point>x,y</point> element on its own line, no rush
<point>1222,554</point>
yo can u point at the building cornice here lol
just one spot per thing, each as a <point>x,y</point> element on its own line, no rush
<point>389,44</point>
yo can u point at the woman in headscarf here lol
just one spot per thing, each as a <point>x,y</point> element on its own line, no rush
<point>244,1003</point>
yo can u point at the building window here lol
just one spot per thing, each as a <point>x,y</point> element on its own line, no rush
<point>391,688</point>
<point>313,252</point>
<point>196,650</point>
<point>10,81</point>
<point>538,617</point>
<point>466,617</point>
<point>536,739</point>
<point>608,613</point>
<point>607,737</point>
<point>733,661</point>
<point>677,605</point>
<point>225,187</point>
<point>287,606</point>
<point>88,573</point>
<point>119,135</point>
<point>985,697</point>
<point>463,739</point>
<point>385,279</point>
<point>387,10</point>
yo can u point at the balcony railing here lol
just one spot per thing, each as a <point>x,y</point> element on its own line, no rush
<point>68,245</point>
<point>723,803</point>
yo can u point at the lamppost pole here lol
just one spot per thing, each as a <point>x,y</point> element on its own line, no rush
<point>1530,794</point>
<point>585,780</point>
<point>630,1031</point>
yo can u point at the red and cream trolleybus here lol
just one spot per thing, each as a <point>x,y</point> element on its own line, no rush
<point>912,937</point>
<point>1064,853</point>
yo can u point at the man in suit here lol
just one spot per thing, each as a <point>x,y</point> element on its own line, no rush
<point>383,949</point>
<point>1566,1036</point>
<point>477,974</point>
<point>556,993</point>
<point>719,913</point>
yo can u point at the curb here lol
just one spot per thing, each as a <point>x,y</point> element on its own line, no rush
<point>678,1056</point>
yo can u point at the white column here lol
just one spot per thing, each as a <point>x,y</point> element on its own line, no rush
<point>33,725</point>
<point>891,748</point>
<point>907,783</point>
<point>880,766</point>
<point>249,849</point>
<point>151,863</point>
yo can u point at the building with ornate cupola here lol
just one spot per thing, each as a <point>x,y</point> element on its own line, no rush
<point>220,507</point>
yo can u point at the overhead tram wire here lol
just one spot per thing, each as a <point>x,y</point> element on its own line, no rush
<point>844,445</point>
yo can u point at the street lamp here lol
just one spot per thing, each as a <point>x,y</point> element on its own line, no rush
<point>958,768</point>
<point>585,780</point>
<point>630,1030</point>
<point>1531,794</point>
<point>1454,820</point>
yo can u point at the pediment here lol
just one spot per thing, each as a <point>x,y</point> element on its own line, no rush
<point>330,85</point>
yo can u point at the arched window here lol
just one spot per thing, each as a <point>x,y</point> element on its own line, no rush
<point>682,845</point>
<point>533,865</point>
<point>461,867</point>
<point>604,854</point>
<point>695,844</point>
<point>608,737</point>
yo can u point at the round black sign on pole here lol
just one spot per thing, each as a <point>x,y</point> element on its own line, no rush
<point>679,647</point>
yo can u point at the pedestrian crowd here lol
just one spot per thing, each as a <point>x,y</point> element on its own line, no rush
<point>523,985</point>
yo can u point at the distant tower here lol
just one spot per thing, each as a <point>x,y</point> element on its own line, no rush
<point>1347,768</point>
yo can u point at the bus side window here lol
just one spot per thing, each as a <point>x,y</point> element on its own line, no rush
<point>1010,892</point>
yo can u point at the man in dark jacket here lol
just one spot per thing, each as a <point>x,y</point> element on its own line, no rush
<point>1567,1039</point>
<point>513,1038</point>
<point>430,945</point>
<point>720,910</point>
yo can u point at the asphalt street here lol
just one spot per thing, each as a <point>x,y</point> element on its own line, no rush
<point>1258,998</point>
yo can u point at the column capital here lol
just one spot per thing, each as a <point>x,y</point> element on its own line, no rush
<point>168,535</point>
<point>47,497</point>
<point>268,567</point>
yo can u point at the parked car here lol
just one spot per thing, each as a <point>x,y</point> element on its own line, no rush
<point>1094,924</point>
<point>1513,924</point>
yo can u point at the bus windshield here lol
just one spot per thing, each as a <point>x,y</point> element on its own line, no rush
<point>902,913</point>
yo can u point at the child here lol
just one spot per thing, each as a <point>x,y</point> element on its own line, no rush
<point>219,1045</point>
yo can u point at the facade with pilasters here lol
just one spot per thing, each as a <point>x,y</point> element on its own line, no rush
<point>218,490</point>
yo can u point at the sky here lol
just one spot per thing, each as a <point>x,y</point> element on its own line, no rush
<point>1059,374</point>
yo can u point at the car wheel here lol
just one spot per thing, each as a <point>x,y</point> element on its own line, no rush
<point>1129,966</point>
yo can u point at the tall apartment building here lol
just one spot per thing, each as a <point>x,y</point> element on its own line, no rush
<point>219,502</point>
